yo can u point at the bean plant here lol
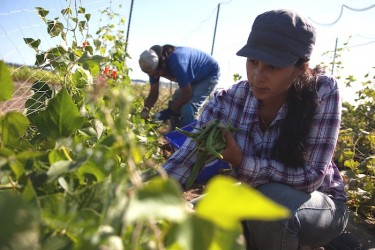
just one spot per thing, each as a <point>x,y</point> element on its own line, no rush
<point>75,168</point>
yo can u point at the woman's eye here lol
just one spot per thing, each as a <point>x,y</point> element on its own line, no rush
<point>252,61</point>
<point>274,67</point>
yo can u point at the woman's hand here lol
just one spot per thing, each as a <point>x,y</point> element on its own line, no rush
<point>232,154</point>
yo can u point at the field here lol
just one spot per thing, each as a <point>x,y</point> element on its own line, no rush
<point>80,169</point>
<point>359,227</point>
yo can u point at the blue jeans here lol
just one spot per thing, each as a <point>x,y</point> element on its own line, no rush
<point>200,93</point>
<point>316,220</point>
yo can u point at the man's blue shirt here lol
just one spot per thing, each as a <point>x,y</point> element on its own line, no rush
<point>189,65</point>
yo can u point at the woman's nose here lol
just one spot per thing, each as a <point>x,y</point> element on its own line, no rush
<point>258,74</point>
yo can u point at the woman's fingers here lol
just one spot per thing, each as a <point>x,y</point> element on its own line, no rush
<point>232,154</point>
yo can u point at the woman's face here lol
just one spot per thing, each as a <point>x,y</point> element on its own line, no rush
<point>269,82</point>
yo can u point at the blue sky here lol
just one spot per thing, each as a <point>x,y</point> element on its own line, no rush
<point>192,22</point>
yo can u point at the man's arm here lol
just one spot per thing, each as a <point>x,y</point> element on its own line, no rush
<point>153,96</point>
<point>151,99</point>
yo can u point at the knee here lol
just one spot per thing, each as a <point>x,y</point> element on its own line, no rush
<point>284,195</point>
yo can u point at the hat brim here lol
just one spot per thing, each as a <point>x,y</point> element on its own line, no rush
<point>268,55</point>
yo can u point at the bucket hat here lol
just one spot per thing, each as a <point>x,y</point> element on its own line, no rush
<point>148,60</point>
<point>280,38</point>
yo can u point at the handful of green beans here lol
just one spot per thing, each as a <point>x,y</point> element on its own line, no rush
<point>210,142</point>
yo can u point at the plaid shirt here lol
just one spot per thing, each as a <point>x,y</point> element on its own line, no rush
<point>239,106</point>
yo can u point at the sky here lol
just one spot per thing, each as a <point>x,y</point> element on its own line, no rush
<point>192,23</point>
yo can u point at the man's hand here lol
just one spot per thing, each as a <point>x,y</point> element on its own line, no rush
<point>163,115</point>
<point>145,113</point>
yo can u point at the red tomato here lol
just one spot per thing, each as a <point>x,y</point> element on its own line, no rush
<point>106,71</point>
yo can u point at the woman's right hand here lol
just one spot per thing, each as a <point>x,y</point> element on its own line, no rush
<point>232,154</point>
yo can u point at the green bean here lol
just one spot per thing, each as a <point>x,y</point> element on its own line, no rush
<point>213,133</point>
<point>210,141</point>
<point>188,134</point>
<point>195,171</point>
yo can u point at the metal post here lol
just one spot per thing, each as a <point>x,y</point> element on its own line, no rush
<point>130,17</point>
<point>334,57</point>
<point>217,17</point>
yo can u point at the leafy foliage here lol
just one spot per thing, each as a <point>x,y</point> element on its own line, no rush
<point>356,149</point>
<point>79,169</point>
<point>6,82</point>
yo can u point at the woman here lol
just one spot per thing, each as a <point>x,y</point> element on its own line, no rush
<point>288,120</point>
<point>196,73</point>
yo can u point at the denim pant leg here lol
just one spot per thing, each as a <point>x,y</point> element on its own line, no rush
<point>201,91</point>
<point>316,220</point>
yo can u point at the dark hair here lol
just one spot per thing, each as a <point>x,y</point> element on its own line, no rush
<point>291,146</point>
<point>163,52</point>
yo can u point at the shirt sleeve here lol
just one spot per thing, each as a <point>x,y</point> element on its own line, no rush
<point>154,79</point>
<point>321,146</point>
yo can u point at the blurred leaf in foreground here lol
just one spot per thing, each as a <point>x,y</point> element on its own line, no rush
<point>227,203</point>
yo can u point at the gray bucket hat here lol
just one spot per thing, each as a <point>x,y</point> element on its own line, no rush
<point>148,60</point>
<point>280,38</point>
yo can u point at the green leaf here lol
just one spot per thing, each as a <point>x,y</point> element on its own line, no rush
<point>194,233</point>
<point>91,63</point>
<point>13,126</point>
<point>81,10</point>
<point>35,103</point>
<point>17,163</point>
<point>17,167</point>
<point>226,204</point>
<point>198,233</point>
<point>82,25</point>
<point>54,28</point>
<point>67,11</point>
<point>61,168</point>
<point>159,198</point>
<point>81,77</point>
<point>61,118</point>
<point>42,12</point>
<point>40,59</point>
<point>56,155</point>
<point>94,169</point>
<point>6,83</point>
<point>352,164</point>
<point>32,43</point>
<point>28,193</point>
<point>86,56</point>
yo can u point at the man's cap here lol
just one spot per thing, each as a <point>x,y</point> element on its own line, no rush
<point>280,38</point>
<point>148,61</point>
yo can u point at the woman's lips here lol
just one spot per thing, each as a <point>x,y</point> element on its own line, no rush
<point>261,89</point>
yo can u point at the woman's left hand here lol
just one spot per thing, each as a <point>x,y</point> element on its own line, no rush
<point>232,154</point>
